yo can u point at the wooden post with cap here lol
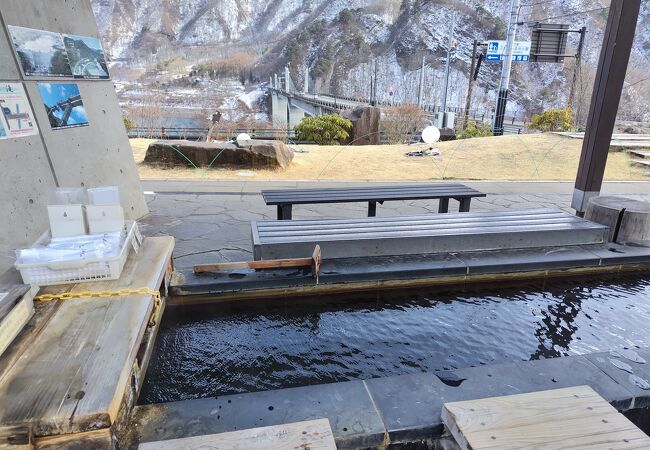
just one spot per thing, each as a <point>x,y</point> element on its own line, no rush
<point>608,85</point>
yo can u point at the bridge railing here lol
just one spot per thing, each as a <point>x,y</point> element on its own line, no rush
<point>475,114</point>
<point>190,133</point>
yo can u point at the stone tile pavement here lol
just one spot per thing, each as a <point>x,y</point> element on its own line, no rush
<point>211,220</point>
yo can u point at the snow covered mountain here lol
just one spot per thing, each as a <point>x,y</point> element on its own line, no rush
<point>338,41</point>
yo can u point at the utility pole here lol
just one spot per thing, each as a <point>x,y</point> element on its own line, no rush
<point>288,120</point>
<point>371,82</point>
<point>373,87</point>
<point>421,88</point>
<point>449,49</point>
<point>610,76</point>
<point>286,79</point>
<point>305,88</point>
<point>504,85</point>
<point>576,71</point>
<point>470,88</point>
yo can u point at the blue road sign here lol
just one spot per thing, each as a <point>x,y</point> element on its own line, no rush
<point>496,51</point>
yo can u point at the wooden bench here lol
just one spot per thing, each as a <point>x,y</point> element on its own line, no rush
<point>432,233</point>
<point>286,198</point>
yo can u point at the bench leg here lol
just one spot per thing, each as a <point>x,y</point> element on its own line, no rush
<point>284,212</point>
<point>443,206</point>
<point>372,209</point>
<point>464,204</point>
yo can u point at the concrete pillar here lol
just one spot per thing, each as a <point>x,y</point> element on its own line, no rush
<point>88,156</point>
<point>278,110</point>
<point>295,116</point>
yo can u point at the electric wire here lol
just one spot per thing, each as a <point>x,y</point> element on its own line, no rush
<point>574,13</point>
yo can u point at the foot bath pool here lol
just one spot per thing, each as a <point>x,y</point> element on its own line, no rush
<point>219,349</point>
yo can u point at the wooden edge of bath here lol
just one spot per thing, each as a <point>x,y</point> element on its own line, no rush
<point>74,371</point>
<point>183,295</point>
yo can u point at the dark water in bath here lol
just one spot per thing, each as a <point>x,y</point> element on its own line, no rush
<point>215,350</point>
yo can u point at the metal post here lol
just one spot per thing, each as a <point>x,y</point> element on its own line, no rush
<point>421,88</point>
<point>468,100</point>
<point>576,71</point>
<point>449,45</point>
<point>610,76</point>
<point>504,85</point>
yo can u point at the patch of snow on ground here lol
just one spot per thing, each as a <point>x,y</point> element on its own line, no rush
<point>251,98</point>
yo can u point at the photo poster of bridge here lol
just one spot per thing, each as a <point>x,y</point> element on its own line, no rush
<point>47,54</point>
<point>86,57</point>
<point>16,115</point>
<point>63,105</point>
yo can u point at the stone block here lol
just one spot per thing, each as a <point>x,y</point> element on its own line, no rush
<point>253,154</point>
<point>626,367</point>
<point>527,259</point>
<point>410,405</point>
<point>365,125</point>
<point>353,418</point>
<point>628,219</point>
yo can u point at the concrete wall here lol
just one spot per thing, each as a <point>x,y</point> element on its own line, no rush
<point>30,167</point>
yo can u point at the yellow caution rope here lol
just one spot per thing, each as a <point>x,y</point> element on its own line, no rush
<point>107,294</point>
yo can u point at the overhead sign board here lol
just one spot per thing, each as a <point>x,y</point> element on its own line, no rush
<point>548,42</point>
<point>496,51</point>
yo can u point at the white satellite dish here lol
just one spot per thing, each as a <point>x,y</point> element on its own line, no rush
<point>430,134</point>
<point>243,137</point>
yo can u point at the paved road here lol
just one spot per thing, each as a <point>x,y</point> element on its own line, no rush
<point>211,219</point>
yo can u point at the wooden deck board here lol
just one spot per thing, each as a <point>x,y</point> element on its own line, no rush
<point>571,418</point>
<point>310,434</point>
<point>73,375</point>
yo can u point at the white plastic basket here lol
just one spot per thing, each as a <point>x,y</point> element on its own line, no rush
<point>64,272</point>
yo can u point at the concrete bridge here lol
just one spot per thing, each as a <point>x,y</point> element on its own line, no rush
<point>289,106</point>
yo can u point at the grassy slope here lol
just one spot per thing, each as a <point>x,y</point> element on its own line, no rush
<point>524,157</point>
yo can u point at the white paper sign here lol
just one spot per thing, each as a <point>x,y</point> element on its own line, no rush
<point>16,116</point>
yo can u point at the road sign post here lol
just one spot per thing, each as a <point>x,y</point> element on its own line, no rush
<point>450,48</point>
<point>504,85</point>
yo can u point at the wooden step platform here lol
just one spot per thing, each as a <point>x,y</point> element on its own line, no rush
<point>310,434</point>
<point>72,368</point>
<point>639,153</point>
<point>569,418</point>
<point>432,233</point>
